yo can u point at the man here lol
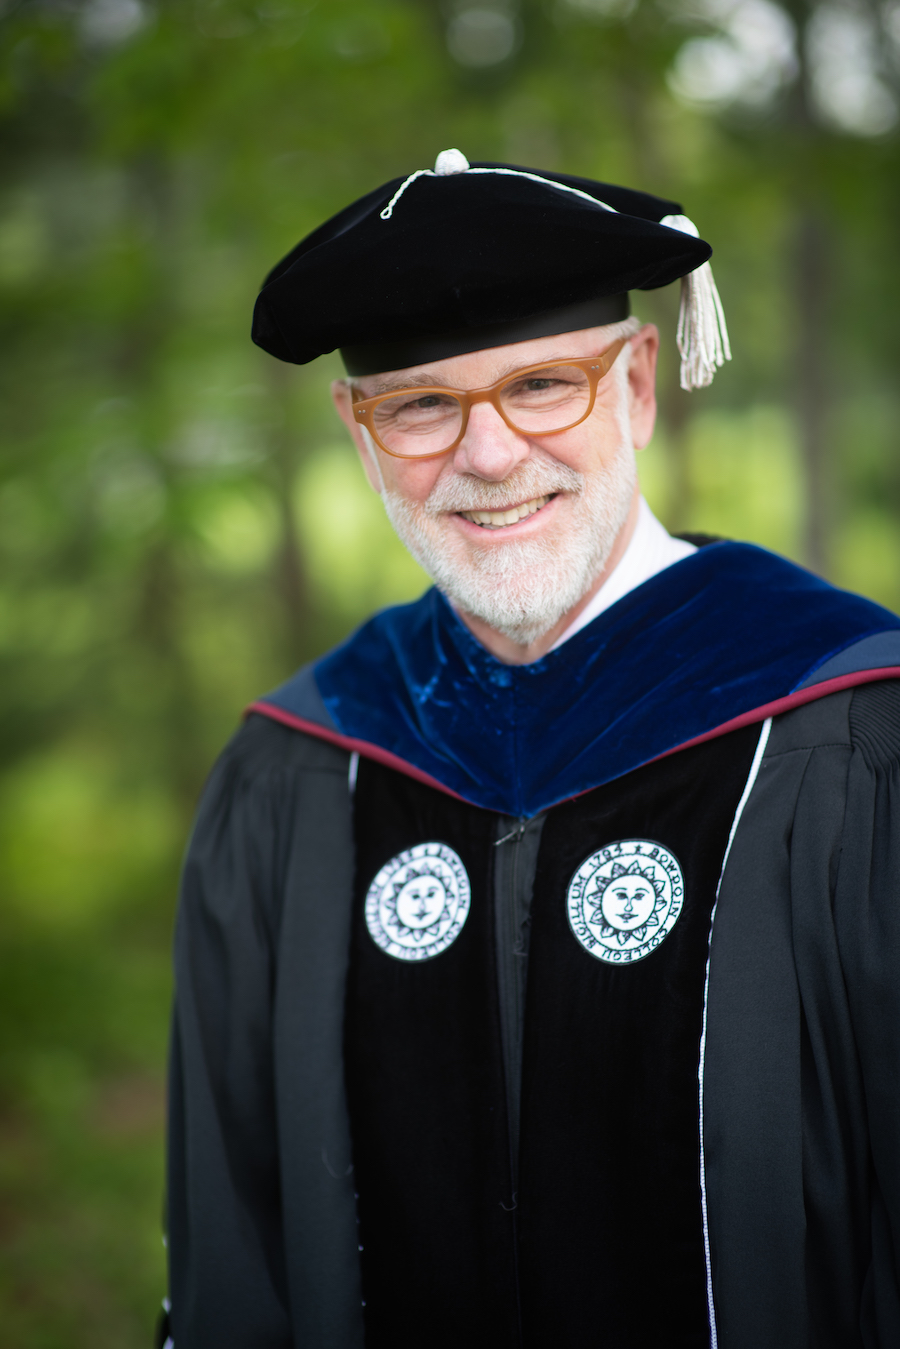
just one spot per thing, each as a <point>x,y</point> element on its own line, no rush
<point>536,962</point>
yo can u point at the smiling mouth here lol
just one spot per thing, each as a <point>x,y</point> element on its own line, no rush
<point>502,519</point>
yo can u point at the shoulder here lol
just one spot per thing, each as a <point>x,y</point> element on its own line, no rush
<point>272,792</point>
<point>874,722</point>
<point>865,718</point>
<point>263,747</point>
<point>263,775</point>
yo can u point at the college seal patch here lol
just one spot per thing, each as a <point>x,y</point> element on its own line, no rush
<point>625,899</point>
<point>418,902</point>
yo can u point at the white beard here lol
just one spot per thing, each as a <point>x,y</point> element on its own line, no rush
<point>524,587</point>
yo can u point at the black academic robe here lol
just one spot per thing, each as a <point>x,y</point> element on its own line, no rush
<point>783,1196</point>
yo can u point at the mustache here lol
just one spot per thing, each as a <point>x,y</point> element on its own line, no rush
<point>533,478</point>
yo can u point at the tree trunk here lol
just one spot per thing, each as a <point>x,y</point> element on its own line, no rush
<point>811,278</point>
<point>289,570</point>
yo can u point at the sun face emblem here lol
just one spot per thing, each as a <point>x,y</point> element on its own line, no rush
<point>625,899</point>
<point>418,902</point>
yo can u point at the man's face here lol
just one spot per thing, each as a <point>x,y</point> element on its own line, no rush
<point>516,528</point>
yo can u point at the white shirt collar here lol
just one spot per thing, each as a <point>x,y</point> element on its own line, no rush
<point>650,550</point>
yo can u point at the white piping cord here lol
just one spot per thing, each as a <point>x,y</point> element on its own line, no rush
<point>548,182</point>
<point>419,173</point>
<point>748,788</point>
<point>507,173</point>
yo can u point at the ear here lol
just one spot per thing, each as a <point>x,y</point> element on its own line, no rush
<point>340,394</point>
<point>642,384</point>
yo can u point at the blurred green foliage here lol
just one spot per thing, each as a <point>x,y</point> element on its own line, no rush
<point>182,522</point>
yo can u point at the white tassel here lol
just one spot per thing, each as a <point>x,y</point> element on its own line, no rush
<point>702,335</point>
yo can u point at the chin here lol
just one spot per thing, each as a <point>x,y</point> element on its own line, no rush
<point>522,587</point>
<point>521,590</point>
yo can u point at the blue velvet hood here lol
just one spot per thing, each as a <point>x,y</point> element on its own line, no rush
<point>730,635</point>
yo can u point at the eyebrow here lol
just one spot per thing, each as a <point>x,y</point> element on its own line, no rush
<point>428,381</point>
<point>411,382</point>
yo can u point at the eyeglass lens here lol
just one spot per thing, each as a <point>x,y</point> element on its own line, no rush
<point>411,423</point>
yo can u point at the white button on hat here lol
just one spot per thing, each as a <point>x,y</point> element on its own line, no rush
<point>450,161</point>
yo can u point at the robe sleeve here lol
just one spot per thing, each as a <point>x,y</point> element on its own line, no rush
<point>226,1250</point>
<point>867,916</point>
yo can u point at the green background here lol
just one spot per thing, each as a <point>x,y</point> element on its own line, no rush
<point>182,520</point>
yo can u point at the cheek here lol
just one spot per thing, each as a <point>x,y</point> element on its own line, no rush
<point>589,447</point>
<point>610,432</point>
<point>409,479</point>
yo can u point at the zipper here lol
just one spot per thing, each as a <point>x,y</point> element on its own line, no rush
<point>515,858</point>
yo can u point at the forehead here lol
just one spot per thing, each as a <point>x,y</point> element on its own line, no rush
<point>476,369</point>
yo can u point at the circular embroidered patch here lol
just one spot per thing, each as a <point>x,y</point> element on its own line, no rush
<point>418,902</point>
<point>625,899</point>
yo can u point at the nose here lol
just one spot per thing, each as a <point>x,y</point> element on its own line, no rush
<point>489,449</point>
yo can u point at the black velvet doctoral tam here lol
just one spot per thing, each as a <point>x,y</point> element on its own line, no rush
<point>456,260</point>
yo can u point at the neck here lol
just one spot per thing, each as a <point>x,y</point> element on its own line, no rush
<point>510,652</point>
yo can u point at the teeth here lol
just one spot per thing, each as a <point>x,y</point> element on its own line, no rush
<point>499,519</point>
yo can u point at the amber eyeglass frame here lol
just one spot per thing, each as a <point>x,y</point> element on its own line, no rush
<point>595,367</point>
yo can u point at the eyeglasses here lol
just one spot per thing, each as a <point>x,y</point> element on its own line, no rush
<point>539,400</point>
